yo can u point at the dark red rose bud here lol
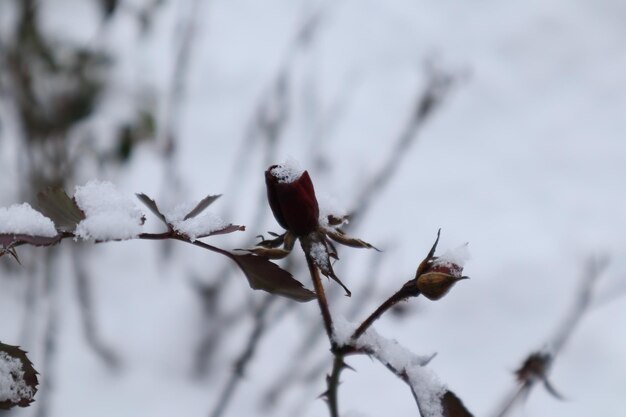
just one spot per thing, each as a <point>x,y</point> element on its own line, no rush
<point>292,199</point>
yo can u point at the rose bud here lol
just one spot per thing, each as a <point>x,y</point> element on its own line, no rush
<point>292,198</point>
<point>442,274</point>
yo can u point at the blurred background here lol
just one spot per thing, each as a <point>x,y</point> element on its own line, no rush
<point>501,123</point>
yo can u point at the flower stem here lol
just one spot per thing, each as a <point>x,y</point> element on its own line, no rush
<point>408,290</point>
<point>321,297</point>
<point>333,385</point>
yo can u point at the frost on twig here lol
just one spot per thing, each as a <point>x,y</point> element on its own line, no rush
<point>431,395</point>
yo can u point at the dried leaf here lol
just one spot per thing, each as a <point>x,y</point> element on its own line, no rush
<point>453,406</point>
<point>270,253</point>
<point>26,385</point>
<point>272,243</point>
<point>202,205</point>
<point>327,270</point>
<point>60,208</point>
<point>267,276</point>
<point>340,237</point>
<point>223,231</point>
<point>150,203</point>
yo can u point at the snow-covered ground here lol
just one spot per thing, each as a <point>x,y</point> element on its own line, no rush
<point>525,160</point>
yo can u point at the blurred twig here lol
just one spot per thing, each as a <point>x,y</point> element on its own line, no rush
<point>258,329</point>
<point>537,365</point>
<point>438,85</point>
<point>85,301</point>
<point>50,333</point>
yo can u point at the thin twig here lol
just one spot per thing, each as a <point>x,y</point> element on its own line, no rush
<point>85,301</point>
<point>430,98</point>
<point>537,365</point>
<point>260,323</point>
<point>405,292</point>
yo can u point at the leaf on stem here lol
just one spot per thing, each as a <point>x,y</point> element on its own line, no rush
<point>17,371</point>
<point>340,237</point>
<point>202,205</point>
<point>267,276</point>
<point>151,204</point>
<point>60,208</point>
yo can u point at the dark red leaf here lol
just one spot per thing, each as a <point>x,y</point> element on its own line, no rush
<point>202,205</point>
<point>152,206</point>
<point>60,208</point>
<point>267,276</point>
<point>25,378</point>
<point>223,231</point>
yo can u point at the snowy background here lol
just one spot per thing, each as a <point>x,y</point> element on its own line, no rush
<point>525,160</point>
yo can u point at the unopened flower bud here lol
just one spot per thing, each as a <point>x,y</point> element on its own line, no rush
<point>292,198</point>
<point>441,275</point>
<point>434,285</point>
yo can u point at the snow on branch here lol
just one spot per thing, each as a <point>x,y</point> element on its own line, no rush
<point>109,215</point>
<point>22,219</point>
<point>410,367</point>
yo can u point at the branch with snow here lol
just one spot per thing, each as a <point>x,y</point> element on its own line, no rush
<point>434,277</point>
<point>432,397</point>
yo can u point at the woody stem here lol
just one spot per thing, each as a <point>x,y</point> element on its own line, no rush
<point>405,292</point>
<point>321,297</point>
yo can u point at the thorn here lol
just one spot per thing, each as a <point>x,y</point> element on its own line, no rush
<point>346,366</point>
<point>323,396</point>
<point>551,390</point>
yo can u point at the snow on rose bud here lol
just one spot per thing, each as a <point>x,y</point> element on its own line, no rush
<point>292,198</point>
<point>441,273</point>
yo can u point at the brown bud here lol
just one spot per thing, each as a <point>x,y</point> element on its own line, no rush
<point>434,285</point>
<point>292,201</point>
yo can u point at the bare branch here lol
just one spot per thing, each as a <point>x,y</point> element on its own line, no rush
<point>537,365</point>
<point>243,360</point>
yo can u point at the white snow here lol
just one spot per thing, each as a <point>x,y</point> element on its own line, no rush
<point>328,206</point>
<point>287,172</point>
<point>428,389</point>
<point>457,256</point>
<point>12,384</point>
<point>320,255</point>
<point>203,224</point>
<point>423,381</point>
<point>23,219</point>
<point>109,214</point>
